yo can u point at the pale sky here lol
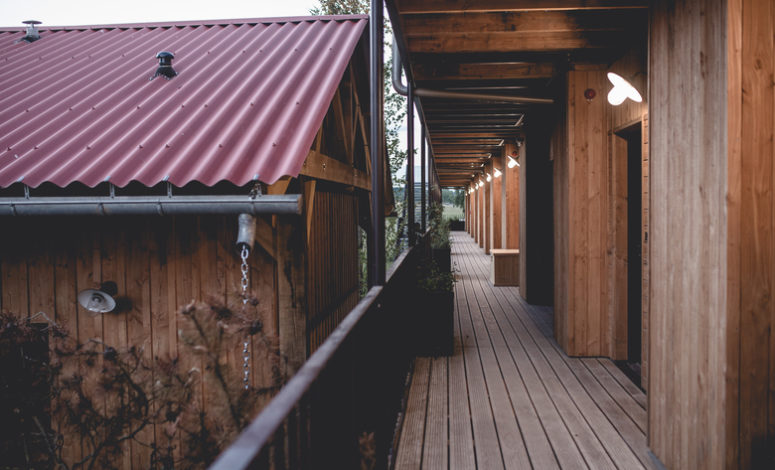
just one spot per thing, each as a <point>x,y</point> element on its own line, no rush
<point>92,12</point>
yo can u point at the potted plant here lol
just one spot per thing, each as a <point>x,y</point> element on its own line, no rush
<point>435,310</point>
<point>440,244</point>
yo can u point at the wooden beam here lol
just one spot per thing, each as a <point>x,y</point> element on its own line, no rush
<point>280,186</point>
<point>326,168</point>
<point>461,6</point>
<point>516,41</point>
<point>309,203</point>
<point>531,21</point>
<point>265,236</point>
<point>482,71</point>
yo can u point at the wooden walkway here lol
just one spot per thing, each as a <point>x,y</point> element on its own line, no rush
<point>509,397</point>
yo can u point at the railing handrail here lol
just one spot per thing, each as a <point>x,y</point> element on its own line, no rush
<point>245,449</point>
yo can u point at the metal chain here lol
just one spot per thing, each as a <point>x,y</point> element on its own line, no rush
<point>245,270</point>
<point>246,343</point>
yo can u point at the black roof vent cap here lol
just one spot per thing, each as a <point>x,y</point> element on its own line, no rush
<point>32,34</point>
<point>165,65</point>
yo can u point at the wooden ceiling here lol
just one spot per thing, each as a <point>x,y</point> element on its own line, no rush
<point>501,47</point>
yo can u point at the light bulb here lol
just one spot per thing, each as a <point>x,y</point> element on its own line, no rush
<point>496,172</point>
<point>622,90</point>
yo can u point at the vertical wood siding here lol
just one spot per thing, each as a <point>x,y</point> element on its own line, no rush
<point>159,265</point>
<point>689,232</point>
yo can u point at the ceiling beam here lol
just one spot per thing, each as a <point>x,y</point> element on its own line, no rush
<point>516,41</point>
<point>530,21</point>
<point>461,6</point>
<point>483,71</point>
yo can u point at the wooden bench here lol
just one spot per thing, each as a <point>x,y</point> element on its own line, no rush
<point>505,267</point>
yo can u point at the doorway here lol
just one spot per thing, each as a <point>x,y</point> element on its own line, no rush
<point>628,155</point>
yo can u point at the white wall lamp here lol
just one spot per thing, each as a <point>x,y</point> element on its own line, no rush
<point>489,177</point>
<point>496,172</point>
<point>622,90</point>
<point>512,162</point>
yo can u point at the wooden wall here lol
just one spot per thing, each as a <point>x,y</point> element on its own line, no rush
<point>163,263</point>
<point>159,265</point>
<point>510,200</point>
<point>584,168</point>
<point>590,211</point>
<point>496,205</point>
<point>706,232</point>
<point>333,263</point>
<point>487,209</point>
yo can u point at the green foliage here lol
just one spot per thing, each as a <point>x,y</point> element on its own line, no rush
<point>431,279</point>
<point>439,226</point>
<point>453,197</point>
<point>341,7</point>
<point>395,117</point>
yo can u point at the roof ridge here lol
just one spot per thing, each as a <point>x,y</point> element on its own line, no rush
<point>208,22</point>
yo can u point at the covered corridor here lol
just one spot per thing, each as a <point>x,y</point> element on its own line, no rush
<point>509,397</point>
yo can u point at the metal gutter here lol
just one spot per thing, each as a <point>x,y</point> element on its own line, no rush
<point>153,205</point>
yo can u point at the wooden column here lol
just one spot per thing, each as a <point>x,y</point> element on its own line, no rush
<point>581,205</point>
<point>481,219</point>
<point>712,220</point>
<point>511,200</point>
<point>487,207</point>
<point>496,204</point>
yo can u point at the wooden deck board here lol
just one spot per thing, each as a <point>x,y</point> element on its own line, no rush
<point>509,397</point>
<point>435,447</point>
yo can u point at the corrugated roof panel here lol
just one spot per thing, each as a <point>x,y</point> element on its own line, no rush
<point>78,106</point>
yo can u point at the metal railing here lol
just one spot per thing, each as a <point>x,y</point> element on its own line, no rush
<point>341,407</point>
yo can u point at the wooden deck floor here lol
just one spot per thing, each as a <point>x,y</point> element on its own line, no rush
<point>509,397</point>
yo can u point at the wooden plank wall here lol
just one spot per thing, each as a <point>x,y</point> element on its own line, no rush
<point>584,328</point>
<point>488,224</point>
<point>511,200</point>
<point>750,432</point>
<point>696,215</point>
<point>496,205</point>
<point>333,263</point>
<point>590,212</point>
<point>159,265</point>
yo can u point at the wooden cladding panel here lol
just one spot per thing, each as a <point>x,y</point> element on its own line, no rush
<point>586,322</point>
<point>511,201</point>
<point>751,317</point>
<point>332,264</point>
<point>688,233</point>
<point>159,265</point>
<point>496,205</point>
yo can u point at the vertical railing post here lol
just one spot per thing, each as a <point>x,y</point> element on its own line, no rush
<point>377,146</point>
<point>410,160</point>
<point>422,177</point>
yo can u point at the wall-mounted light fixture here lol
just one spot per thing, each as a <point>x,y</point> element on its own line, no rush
<point>99,300</point>
<point>496,172</point>
<point>622,90</point>
<point>512,161</point>
<point>489,177</point>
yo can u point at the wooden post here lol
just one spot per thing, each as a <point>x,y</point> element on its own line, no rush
<point>291,291</point>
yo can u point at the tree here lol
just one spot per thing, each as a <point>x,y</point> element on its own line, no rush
<point>395,104</point>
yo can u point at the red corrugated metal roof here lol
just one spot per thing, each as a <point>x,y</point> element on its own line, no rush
<point>77,105</point>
